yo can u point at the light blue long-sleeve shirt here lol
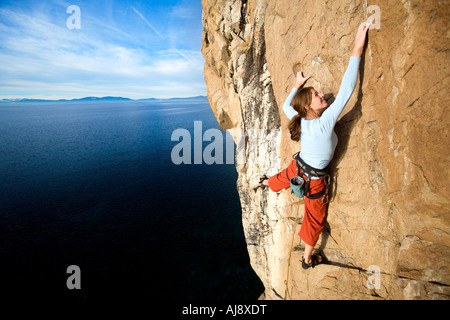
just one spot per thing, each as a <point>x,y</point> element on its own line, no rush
<point>318,139</point>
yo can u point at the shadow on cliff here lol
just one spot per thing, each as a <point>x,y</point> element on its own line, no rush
<point>343,130</point>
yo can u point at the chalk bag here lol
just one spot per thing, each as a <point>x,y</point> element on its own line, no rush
<point>298,186</point>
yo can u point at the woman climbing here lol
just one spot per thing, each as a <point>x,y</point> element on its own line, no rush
<point>312,122</point>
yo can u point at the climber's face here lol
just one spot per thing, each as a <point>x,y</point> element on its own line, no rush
<point>318,101</point>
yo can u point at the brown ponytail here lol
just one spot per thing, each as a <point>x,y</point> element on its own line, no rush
<point>302,98</point>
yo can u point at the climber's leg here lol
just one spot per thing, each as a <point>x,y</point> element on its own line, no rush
<point>280,181</point>
<point>315,210</point>
<point>314,217</point>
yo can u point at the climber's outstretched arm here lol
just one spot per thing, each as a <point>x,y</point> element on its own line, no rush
<point>330,116</point>
<point>349,85</point>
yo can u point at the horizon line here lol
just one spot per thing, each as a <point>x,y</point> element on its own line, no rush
<point>97,97</point>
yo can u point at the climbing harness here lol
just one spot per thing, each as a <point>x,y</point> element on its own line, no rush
<point>300,183</point>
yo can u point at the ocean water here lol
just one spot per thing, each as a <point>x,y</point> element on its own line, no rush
<point>93,185</point>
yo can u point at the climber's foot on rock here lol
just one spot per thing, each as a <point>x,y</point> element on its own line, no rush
<point>315,260</point>
<point>263,182</point>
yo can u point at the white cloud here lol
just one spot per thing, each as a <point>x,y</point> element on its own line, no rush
<point>183,12</point>
<point>38,57</point>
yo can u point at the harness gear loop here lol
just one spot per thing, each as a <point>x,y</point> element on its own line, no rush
<point>327,183</point>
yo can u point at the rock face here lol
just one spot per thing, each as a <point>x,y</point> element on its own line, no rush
<point>387,228</point>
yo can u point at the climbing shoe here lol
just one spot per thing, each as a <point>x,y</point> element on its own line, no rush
<point>261,181</point>
<point>315,260</point>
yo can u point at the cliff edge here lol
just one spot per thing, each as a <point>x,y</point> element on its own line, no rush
<point>387,230</point>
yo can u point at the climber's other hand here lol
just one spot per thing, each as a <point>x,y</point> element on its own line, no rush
<point>300,79</point>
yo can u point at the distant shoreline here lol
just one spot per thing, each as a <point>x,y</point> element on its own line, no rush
<point>100,99</point>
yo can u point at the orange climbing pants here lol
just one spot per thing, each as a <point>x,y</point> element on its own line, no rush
<point>315,210</point>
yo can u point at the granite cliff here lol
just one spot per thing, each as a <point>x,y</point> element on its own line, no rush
<point>389,210</point>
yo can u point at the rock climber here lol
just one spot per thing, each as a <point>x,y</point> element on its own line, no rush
<point>312,123</point>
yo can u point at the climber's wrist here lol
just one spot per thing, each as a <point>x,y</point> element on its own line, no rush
<point>298,85</point>
<point>357,51</point>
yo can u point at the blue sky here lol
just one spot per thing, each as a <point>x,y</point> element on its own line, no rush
<point>135,49</point>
